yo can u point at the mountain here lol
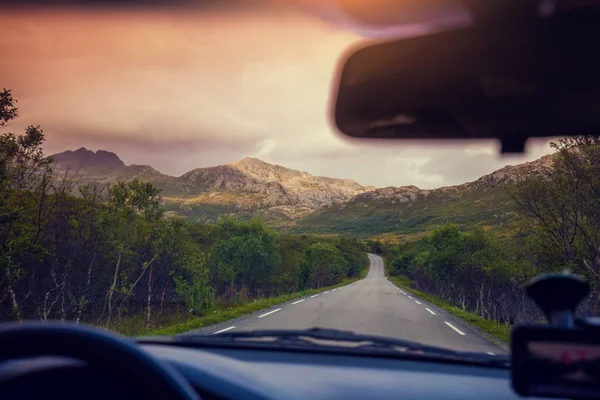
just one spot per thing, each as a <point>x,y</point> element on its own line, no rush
<point>246,187</point>
<point>299,202</point>
<point>408,211</point>
<point>99,162</point>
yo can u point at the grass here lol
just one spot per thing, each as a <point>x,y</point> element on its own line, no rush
<point>496,329</point>
<point>226,314</point>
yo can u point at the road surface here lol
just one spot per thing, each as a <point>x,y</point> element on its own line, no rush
<point>370,306</point>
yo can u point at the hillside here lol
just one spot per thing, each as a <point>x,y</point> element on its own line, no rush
<point>410,211</point>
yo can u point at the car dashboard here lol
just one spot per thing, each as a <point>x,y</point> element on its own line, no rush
<point>234,373</point>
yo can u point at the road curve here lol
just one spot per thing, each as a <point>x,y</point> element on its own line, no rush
<point>371,306</point>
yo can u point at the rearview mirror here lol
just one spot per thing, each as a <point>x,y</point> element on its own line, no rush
<point>539,80</point>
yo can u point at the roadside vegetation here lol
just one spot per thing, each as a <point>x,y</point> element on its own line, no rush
<point>476,272</point>
<point>108,255</point>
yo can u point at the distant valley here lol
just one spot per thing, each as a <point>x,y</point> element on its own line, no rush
<point>299,202</point>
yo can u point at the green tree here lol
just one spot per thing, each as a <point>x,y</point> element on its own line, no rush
<point>323,264</point>
<point>247,259</point>
<point>25,202</point>
<point>565,210</point>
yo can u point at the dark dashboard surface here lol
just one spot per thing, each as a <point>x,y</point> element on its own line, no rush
<point>281,375</point>
<point>270,374</point>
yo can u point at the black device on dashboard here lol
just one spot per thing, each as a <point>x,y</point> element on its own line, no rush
<point>561,359</point>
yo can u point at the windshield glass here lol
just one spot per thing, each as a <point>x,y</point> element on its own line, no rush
<point>177,172</point>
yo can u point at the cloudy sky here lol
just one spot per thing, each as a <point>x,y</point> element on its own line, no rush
<point>184,90</point>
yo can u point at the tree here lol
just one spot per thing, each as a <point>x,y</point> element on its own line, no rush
<point>322,265</point>
<point>126,201</point>
<point>8,110</point>
<point>565,207</point>
<point>354,254</point>
<point>247,259</point>
<point>25,201</point>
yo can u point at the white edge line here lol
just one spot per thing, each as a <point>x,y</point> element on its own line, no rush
<point>490,353</point>
<point>316,295</point>
<point>269,313</point>
<point>299,301</point>
<point>429,310</point>
<point>326,292</point>
<point>455,328</point>
<point>417,301</point>
<point>223,330</point>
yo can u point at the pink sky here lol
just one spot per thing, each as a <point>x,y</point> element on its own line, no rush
<point>187,90</point>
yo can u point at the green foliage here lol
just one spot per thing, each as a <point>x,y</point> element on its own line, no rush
<point>470,270</point>
<point>322,265</point>
<point>248,257</point>
<point>8,110</point>
<point>565,211</point>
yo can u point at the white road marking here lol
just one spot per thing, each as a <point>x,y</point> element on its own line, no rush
<point>429,310</point>
<point>455,328</point>
<point>490,353</point>
<point>326,292</point>
<point>410,297</point>
<point>299,301</point>
<point>312,297</point>
<point>224,330</point>
<point>269,313</point>
<point>417,301</point>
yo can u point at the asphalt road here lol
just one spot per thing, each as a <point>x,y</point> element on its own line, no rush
<point>371,306</point>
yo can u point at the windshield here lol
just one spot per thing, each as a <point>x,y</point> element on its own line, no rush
<point>176,172</point>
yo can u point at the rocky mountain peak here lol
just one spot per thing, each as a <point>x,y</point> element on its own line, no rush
<point>83,159</point>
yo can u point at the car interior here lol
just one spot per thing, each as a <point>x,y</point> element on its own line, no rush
<point>516,70</point>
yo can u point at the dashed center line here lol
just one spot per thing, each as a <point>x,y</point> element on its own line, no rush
<point>490,353</point>
<point>455,328</point>
<point>316,295</point>
<point>429,310</point>
<point>417,301</point>
<point>224,330</point>
<point>269,313</point>
<point>410,297</point>
<point>299,301</point>
<point>326,292</point>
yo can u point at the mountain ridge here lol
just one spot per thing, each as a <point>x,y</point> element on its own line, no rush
<point>307,203</point>
<point>242,186</point>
